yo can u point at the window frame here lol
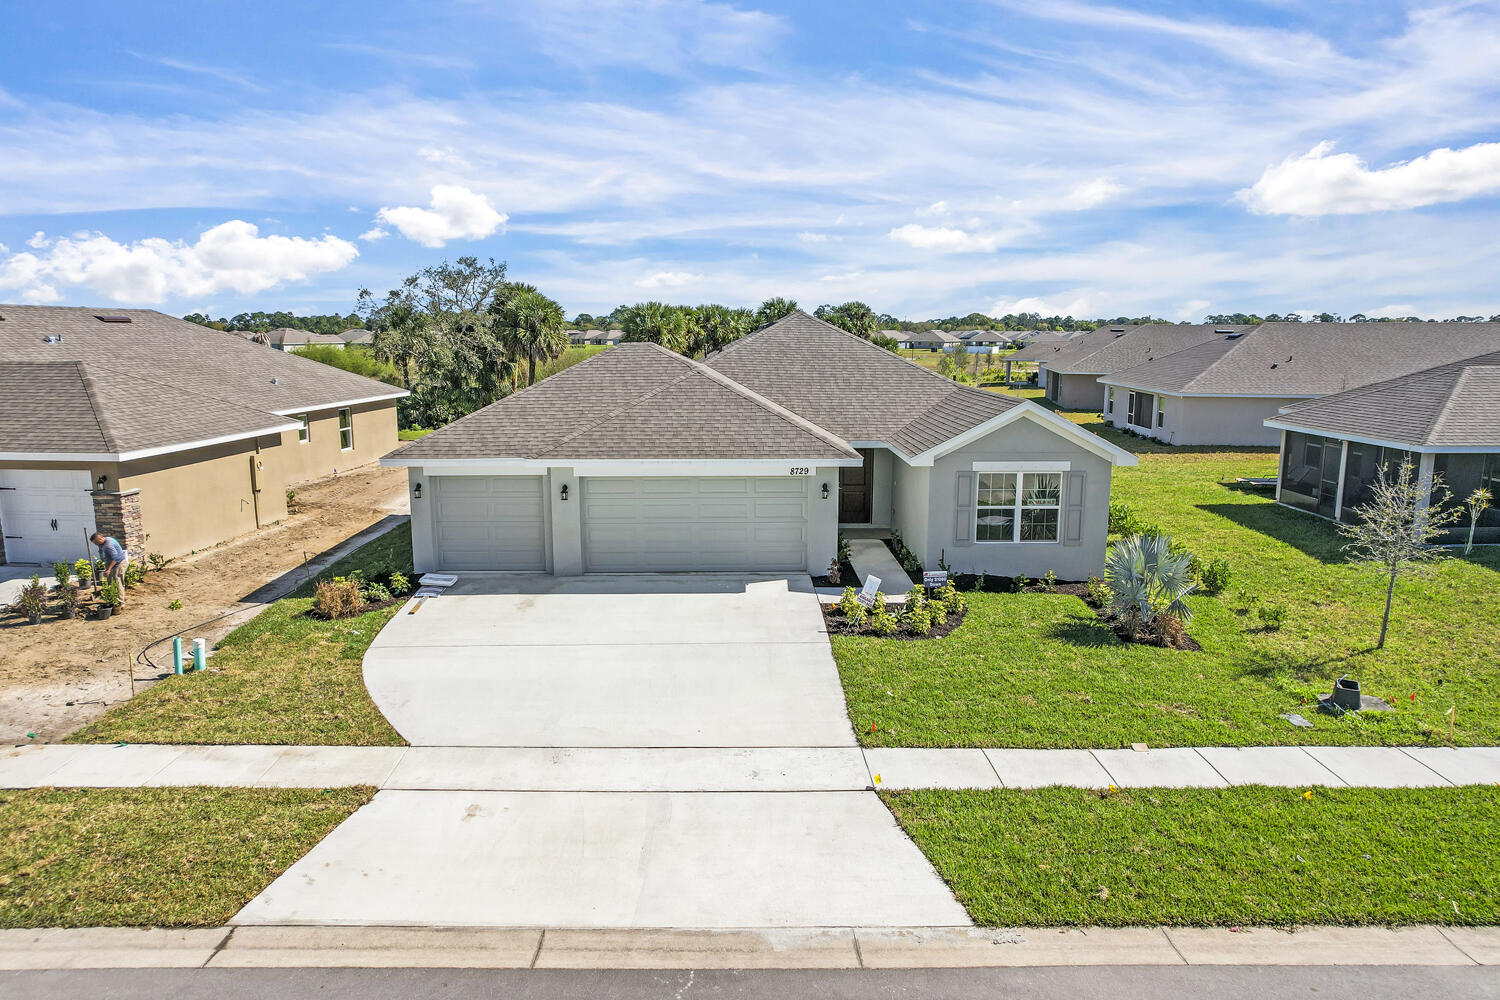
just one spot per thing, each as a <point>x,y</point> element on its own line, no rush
<point>1020,473</point>
<point>346,429</point>
<point>304,433</point>
<point>1161,410</point>
<point>1109,400</point>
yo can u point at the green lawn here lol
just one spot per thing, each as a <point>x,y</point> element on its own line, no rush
<point>282,678</point>
<point>1039,670</point>
<point>1231,856</point>
<point>413,433</point>
<point>163,857</point>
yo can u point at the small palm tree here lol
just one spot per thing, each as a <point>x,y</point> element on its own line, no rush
<point>1478,502</point>
<point>530,327</point>
<point>1147,579</point>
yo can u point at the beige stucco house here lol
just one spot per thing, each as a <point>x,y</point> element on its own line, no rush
<point>168,435</point>
<point>640,460</point>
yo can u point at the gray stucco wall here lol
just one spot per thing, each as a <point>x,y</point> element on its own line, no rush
<point>1079,392</point>
<point>422,551</point>
<point>1022,441</point>
<point>880,495</point>
<point>910,498</point>
<point>1210,419</point>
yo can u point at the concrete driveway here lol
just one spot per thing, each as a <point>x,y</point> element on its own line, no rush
<point>655,660</point>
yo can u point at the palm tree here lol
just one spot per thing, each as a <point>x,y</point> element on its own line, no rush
<point>773,309</point>
<point>713,327</point>
<point>656,323</point>
<point>530,327</point>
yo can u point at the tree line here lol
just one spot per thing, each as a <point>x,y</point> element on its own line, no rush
<point>264,322</point>
<point>1251,319</point>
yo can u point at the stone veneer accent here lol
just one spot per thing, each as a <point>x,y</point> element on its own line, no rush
<point>118,515</point>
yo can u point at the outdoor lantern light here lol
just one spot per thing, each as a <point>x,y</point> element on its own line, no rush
<point>565,491</point>
<point>416,492</point>
<point>102,481</point>
<point>825,491</point>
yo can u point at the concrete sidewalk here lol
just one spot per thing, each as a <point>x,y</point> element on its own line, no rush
<point>737,769</point>
<point>870,557</point>
<point>757,948</point>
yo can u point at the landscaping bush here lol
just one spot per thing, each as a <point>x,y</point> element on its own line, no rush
<point>32,600</point>
<point>68,594</point>
<point>156,561</point>
<point>1146,578</point>
<point>881,621</point>
<point>952,601</point>
<point>399,585</point>
<point>1098,594</point>
<point>134,574</point>
<point>850,608</point>
<point>916,617</point>
<point>1272,616</point>
<point>1122,520</point>
<point>61,572</point>
<point>109,593</point>
<point>338,598</point>
<point>84,571</point>
<point>377,593</point>
<point>1213,576</point>
<point>904,555</point>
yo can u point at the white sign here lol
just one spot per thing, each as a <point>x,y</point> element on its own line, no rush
<point>935,578</point>
<point>867,595</point>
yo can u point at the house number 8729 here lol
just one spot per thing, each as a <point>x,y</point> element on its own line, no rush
<point>799,470</point>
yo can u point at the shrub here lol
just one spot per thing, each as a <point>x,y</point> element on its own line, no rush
<point>68,593</point>
<point>174,605</point>
<point>61,572</point>
<point>844,553</point>
<point>1049,582</point>
<point>916,617</point>
<point>338,598</point>
<point>904,555</point>
<point>399,584</point>
<point>109,593</point>
<point>850,608</point>
<point>1122,520</point>
<point>1213,576</point>
<point>1146,578</point>
<point>1272,616</point>
<point>952,601</point>
<point>377,593</point>
<point>1167,629</point>
<point>156,561</point>
<point>134,574</point>
<point>937,612</point>
<point>835,573</point>
<point>84,570</point>
<point>32,600</point>
<point>882,622</point>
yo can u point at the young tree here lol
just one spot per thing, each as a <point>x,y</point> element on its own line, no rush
<point>529,327</point>
<point>1397,528</point>
<point>773,309</point>
<point>1478,502</point>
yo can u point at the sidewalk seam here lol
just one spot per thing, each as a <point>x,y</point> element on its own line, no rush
<point>536,955</point>
<point>223,941</point>
<point>1166,932</point>
<point>1443,932</point>
<point>1312,757</point>
<point>1198,752</point>
<point>1441,777</point>
<point>859,956</point>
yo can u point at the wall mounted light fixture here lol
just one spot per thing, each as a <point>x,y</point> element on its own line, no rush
<point>102,481</point>
<point>565,491</point>
<point>825,491</point>
<point>416,491</point>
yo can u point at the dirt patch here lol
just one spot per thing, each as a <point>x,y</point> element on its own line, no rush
<point>59,675</point>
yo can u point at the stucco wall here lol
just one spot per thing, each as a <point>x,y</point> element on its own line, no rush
<point>1022,441</point>
<point>193,500</point>
<point>1079,392</point>
<point>910,497</point>
<point>881,490</point>
<point>1204,420</point>
<point>423,552</point>
<point>319,456</point>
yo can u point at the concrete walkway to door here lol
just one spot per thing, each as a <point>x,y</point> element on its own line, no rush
<point>651,660</point>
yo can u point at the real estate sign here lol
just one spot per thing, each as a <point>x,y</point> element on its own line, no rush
<point>933,578</point>
<point>866,596</point>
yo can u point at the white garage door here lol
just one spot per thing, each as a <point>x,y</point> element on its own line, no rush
<point>45,514</point>
<point>703,525</point>
<point>489,523</point>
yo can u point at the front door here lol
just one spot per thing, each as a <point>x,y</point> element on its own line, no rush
<point>855,487</point>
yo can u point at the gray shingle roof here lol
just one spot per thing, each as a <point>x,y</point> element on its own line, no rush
<point>1105,351</point>
<point>1049,346</point>
<point>856,389</point>
<point>73,407</point>
<point>183,355</point>
<point>633,401</point>
<point>1309,359</point>
<point>927,337</point>
<point>1455,405</point>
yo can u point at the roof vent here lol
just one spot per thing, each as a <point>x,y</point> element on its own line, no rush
<point>1231,334</point>
<point>52,338</point>
<point>1117,329</point>
<point>275,380</point>
<point>113,319</point>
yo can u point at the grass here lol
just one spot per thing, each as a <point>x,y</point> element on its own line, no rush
<point>1230,856</point>
<point>165,857</point>
<point>1038,670</point>
<point>413,433</point>
<point>284,677</point>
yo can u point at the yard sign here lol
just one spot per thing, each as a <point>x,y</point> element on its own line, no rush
<point>935,578</point>
<point>867,595</point>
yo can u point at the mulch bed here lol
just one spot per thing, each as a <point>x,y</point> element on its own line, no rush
<point>837,624</point>
<point>1185,642</point>
<point>369,606</point>
<point>847,578</point>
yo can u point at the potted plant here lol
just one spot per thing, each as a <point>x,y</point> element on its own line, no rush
<point>68,594</point>
<point>84,570</point>
<point>32,601</point>
<point>109,597</point>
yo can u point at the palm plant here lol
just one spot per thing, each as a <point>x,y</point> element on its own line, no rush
<point>773,309</point>
<point>530,327</point>
<point>656,323</point>
<point>1478,502</point>
<point>713,327</point>
<point>1146,579</point>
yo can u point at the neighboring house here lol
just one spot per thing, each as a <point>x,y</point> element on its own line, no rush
<point>287,339</point>
<point>602,338</point>
<point>926,340</point>
<point>1444,420</point>
<point>985,342</point>
<point>1071,378</point>
<point>168,435</point>
<point>640,460</point>
<point>359,336</point>
<point>1223,390</point>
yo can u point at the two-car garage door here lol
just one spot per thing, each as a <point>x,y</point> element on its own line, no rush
<point>731,524</point>
<point>627,525</point>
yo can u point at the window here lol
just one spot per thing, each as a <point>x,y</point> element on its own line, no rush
<point>346,430</point>
<point>303,431</point>
<point>1109,399</point>
<point>1161,411</point>
<point>1018,507</point>
<point>1140,409</point>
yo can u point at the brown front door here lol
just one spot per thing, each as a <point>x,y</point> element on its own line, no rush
<point>855,486</point>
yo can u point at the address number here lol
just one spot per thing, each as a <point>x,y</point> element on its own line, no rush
<point>799,470</point>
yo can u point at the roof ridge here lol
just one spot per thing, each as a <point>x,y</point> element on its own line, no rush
<point>791,417</point>
<point>1462,375</point>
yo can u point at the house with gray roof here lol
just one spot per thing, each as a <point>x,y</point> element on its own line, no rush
<point>1444,421</point>
<point>754,459</point>
<point>925,340</point>
<point>287,339</point>
<point>1071,375</point>
<point>167,435</point>
<point>1223,389</point>
<point>358,336</point>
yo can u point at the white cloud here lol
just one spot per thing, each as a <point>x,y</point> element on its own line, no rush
<point>1080,305</point>
<point>231,256</point>
<point>1399,309</point>
<point>667,279</point>
<point>813,237</point>
<point>936,208</point>
<point>1192,310</point>
<point>1091,193</point>
<point>1322,182</point>
<point>943,238</point>
<point>663,36</point>
<point>374,233</point>
<point>456,213</point>
<point>38,240</point>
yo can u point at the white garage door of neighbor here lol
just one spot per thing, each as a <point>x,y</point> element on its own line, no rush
<point>45,514</point>
<point>702,525</point>
<point>489,523</point>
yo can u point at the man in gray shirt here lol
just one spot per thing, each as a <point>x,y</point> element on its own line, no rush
<point>115,560</point>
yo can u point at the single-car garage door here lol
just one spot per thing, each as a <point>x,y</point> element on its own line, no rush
<point>489,523</point>
<point>705,525</point>
<point>45,514</point>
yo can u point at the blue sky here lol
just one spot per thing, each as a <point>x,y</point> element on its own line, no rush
<point>931,159</point>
